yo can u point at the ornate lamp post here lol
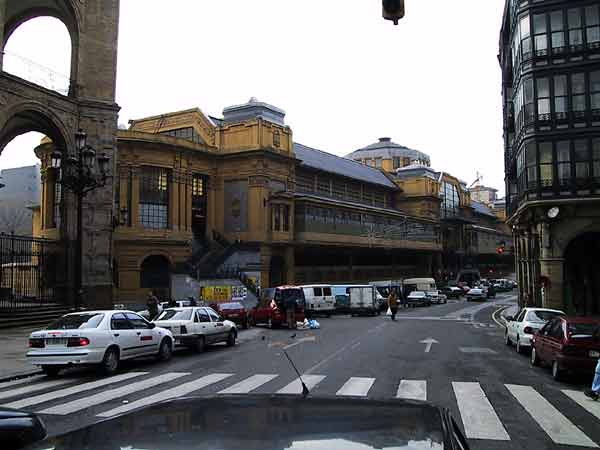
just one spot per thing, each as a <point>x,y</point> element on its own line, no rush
<point>80,173</point>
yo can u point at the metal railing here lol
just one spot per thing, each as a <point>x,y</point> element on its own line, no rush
<point>35,73</point>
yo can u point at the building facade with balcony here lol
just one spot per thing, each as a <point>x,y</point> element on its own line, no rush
<point>550,61</point>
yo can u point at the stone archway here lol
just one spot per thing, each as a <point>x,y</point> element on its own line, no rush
<point>582,275</point>
<point>155,274</point>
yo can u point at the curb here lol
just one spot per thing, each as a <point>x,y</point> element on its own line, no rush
<point>20,375</point>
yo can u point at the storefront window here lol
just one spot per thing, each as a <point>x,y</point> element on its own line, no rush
<point>546,166</point>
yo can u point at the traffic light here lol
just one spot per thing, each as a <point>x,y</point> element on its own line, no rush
<point>501,247</point>
<point>393,10</point>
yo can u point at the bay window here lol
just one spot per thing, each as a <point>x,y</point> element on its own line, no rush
<point>575,28</point>
<point>521,170</point>
<point>592,22</point>
<point>546,164</point>
<point>563,159</point>
<point>540,35</point>
<point>582,159</point>
<point>525,32</point>
<point>560,96</point>
<point>558,33</point>
<point>543,98</point>
<point>531,165</point>
<point>578,94</point>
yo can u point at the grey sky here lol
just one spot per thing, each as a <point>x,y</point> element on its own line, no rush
<point>344,75</point>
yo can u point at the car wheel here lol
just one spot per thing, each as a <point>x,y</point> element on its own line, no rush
<point>51,371</point>
<point>165,351</point>
<point>557,373</point>
<point>110,362</point>
<point>535,361</point>
<point>231,338</point>
<point>199,344</point>
<point>507,339</point>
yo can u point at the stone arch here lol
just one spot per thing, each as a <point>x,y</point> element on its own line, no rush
<point>20,11</point>
<point>571,233</point>
<point>582,274</point>
<point>155,274</point>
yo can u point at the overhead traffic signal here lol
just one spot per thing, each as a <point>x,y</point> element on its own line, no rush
<point>393,10</point>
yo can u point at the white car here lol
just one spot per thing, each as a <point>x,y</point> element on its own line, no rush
<point>197,326</point>
<point>437,297</point>
<point>520,329</point>
<point>102,338</point>
<point>477,294</point>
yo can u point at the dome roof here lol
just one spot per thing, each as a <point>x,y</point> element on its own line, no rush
<point>387,149</point>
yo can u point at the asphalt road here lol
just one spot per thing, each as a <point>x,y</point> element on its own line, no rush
<point>494,395</point>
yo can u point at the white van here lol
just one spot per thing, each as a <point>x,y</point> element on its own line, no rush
<point>319,299</point>
<point>362,300</point>
<point>419,284</point>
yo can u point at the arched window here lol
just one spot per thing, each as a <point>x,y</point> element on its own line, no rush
<point>155,272</point>
<point>46,62</point>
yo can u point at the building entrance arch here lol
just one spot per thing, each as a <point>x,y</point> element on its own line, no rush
<point>582,275</point>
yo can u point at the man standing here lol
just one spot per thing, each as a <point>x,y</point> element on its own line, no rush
<point>594,393</point>
<point>152,304</point>
<point>393,303</point>
<point>290,311</point>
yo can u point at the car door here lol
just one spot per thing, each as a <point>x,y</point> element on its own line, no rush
<point>517,325</point>
<point>553,342</point>
<point>204,325</point>
<point>542,340</point>
<point>124,335</point>
<point>147,338</point>
<point>220,331</point>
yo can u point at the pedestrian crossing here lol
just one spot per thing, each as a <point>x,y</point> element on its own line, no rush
<point>108,397</point>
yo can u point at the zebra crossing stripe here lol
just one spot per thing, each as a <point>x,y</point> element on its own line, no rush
<point>71,390</point>
<point>295,387</point>
<point>178,391</point>
<point>21,381</point>
<point>356,386</point>
<point>579,397</point>
<point>34,387</point>
<point>111,394</point>
<point>560,429</point>
<point>249,384</point>
<point>479,418</point>
<point>412,390</point>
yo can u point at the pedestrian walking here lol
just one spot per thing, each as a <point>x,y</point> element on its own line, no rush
<point>594,392</point>
<point>152,304</point>
<point>404,299</point>
<point>393,303</point>
<point>290,311</point>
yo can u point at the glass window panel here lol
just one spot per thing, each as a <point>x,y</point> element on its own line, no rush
<point>576,37</point>
<point>563,152</point>
<point>524,27</point>
<point>154,197</point>
<point>582,170</point>
<point>544,106</point>
<point>539,23</point>
<point>560,104</point>
<point>530,154</point>
<point>558,39</point>
<point>556,21</point>
<point>595,81</point>
<point>543,87</point>
<point>591,15</point>
<point>595,99</point>
<point>541,42</point>
<point>581,150</point>
<point>546,176</point>
<point>593,34</point>
<point>528,90</point>
<point>574,18</point>
<point>564,172</point>
<point>532,174</point>
<point>596,169</point>
<point>526,45</point>
<point>578,83</point>
<point>545,152</point>
<point>596,148</point>
<point>579,103</point>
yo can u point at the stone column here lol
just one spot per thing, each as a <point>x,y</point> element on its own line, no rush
<point>265,266</point>
<point>134,214</point>
<point>123,196</point>
<point>290,265</point>
<point>553,269</point>
<point>174,201</point>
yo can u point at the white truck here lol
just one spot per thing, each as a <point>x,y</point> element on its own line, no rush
<point>363,300</point>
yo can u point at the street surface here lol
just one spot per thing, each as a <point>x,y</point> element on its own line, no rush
<point>452,355</point>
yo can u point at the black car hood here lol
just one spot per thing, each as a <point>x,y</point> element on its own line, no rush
<point>265,423</point>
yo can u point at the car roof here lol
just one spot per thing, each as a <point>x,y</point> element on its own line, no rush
<point>544,309</point>
<point>100,311</point>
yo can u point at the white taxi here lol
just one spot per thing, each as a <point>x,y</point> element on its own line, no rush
<point>100,338</point>
<point>197,326</point>
<point>520,329</point>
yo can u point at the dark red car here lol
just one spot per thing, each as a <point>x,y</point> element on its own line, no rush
<point>236,312</point>
<point>270,310</point>
<point>568,344</point>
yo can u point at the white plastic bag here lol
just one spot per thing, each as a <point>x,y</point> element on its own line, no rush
<point>388,312</point>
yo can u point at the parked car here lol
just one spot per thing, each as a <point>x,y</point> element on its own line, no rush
<point>567,344</point>
<point>235,312</point>
<point>476,294</point>
<point>418,298</point>
<point>197,326</point>
<point>270,309</point>
<point>436,297</point>
<point>102,338</point>
<point>452,291</point>
<point>520,329</point>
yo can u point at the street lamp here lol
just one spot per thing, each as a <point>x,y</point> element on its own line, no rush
<point>80,173</point>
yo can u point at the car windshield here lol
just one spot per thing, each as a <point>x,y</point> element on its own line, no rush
<point>226,306</point>
<point>176,314</point>
<point>77,322</point>
<point>541,316</point>
<point>583,330</point>
<point>417,294</point>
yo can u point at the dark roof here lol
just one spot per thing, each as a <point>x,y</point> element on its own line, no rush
<point>318,159</point>
<point>481,208</point>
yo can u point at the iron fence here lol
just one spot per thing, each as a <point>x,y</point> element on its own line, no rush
<point>30,272</point>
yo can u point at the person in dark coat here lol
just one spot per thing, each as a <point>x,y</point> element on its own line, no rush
<point>393,303</point>
<point>152,304</point>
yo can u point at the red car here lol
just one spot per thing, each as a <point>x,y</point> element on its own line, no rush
<point>270,309</point>
<point>568,344</point>
<point>236,312</point>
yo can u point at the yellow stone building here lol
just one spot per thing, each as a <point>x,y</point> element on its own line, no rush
<point>208,196</point>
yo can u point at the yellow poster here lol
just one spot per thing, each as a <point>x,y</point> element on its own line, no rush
<point>216,293</point>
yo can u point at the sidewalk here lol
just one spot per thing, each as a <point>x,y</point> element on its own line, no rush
<point>13,346</point>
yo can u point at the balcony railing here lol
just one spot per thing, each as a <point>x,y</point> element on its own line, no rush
<point>35,73</point>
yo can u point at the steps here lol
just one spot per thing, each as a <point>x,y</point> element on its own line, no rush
<point>36,317</point>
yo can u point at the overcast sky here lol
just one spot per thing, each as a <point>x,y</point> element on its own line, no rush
<point>344,76</point>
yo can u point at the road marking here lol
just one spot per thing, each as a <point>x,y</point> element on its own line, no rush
<point>412,390</point>
<point>479,418</point>
<point>71,390</point>
<point>111,394</point>
<point>355,345</point>
<point>429,342</point>
<point>333,355</point>
<point>178,391</point>
<point>590,405</point>
<point>484,350</point>
<point>300,341</point>
<point>34,387</point>
<point>500,322</point>
<point>249,384</point>
<point>560,429</point>
<point>356,386</point>
<point>21,381</point>
<point>295,387</point>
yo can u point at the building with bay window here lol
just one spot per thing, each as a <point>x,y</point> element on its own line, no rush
<point>550,61</point>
